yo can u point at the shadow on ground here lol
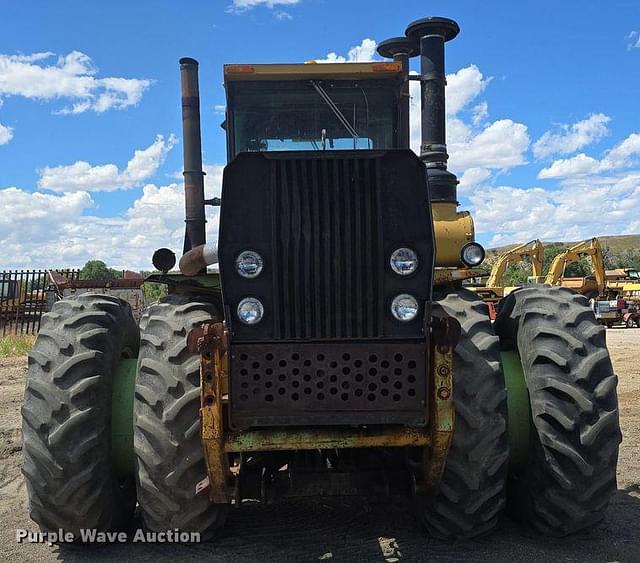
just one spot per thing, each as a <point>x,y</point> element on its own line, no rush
<point>356,530</point>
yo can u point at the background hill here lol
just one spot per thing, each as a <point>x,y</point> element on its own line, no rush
<point>615,243</point>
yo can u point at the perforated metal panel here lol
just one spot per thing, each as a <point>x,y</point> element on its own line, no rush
<point>328,384</point>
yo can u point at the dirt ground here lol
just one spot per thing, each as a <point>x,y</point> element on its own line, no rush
<point>339,530</point>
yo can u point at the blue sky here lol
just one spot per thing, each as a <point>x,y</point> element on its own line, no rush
<point>544,121</point>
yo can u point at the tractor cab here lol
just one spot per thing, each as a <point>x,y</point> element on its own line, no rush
<point>312,107</point>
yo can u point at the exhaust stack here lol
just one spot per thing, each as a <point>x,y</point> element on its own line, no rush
<point>431,34</point>
<point>192,145</point>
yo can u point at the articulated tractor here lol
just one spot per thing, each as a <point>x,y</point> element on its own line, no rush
<point>333,350</point>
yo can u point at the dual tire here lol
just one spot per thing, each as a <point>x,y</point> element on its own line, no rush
<point>574,431</point>
<point>569,475</point>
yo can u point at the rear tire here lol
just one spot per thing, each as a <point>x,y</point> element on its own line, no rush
<point>66,416</point>
<point>169,454</point>
<point>472,490</point>
<point>570,473</point>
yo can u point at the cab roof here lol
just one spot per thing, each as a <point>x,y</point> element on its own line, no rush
<point>311,70</point>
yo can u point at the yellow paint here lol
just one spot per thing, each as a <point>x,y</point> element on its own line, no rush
<point>453,229</point>
<point>328,71</point>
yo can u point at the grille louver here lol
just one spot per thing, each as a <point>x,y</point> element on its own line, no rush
<point>328,248</point>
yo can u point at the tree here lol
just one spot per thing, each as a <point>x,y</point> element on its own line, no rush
<point>153,292</point>
<point>98,270</point>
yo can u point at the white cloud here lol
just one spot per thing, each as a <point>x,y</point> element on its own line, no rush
<point>241,6</point>
<point>499,145</point>
<point>40,215</point>
<point>282,15</point>
<point>463,87</point>
<point>620,156</point>
<point>54,232</point>
<point>633,40</point>
<point>579,165</point>
<point>82,176</point>
<point>472,179</point>
<point>480,113</point>
<point>6,134</point>
<point>70,77</point>
<point>571,138</point>
<point>516,214</point>
<point>365,52</point>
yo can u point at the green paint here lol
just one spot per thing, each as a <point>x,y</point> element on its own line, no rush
<point>210,281</point>
<point>124,380</point>
<point>519,411</point>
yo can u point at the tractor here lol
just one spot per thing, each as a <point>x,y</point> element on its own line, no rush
<point>333,350</point>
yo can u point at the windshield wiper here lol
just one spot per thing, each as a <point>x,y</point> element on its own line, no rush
<point>334,108</point>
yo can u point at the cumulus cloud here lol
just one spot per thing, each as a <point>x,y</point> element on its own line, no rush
<point>41,215</point>
<point>501,145</point>
<point>463,87</point>
<point>82,176</point>
<point>471,143</point>
<point>568,139</point>
<point>59,229</point>
<point>472,178</point>
<point>516,214</point>
<point>579,165</point>
<point>72,77</point>
<point>241,6</point>
<point>365,52</point>
<point>620,156</point>
<point>55,231</point>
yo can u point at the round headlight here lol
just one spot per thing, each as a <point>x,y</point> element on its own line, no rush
<point>472,254</point>
<point>249,264</point>
<point>250,311</point>
<point>404,261</point>
<point>404,307</point>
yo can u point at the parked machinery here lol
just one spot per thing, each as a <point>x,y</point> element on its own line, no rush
<point>591,287</point>
<point>494,289</point>
<point>336,351</point>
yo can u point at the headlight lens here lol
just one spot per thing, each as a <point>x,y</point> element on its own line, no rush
<point>404,261</point>
<point>472,254</point>
<point>250,311</point>
<point>249,264</point>
<point>404,307</point>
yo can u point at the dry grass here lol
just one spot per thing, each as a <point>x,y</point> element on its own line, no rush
<point>16,345</point>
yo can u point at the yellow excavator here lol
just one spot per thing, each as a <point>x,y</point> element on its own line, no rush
<point>589,286</point>
<point>494,290</point>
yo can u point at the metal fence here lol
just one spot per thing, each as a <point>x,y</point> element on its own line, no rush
<point>24,296</point>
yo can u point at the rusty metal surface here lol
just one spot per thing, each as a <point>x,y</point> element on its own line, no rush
<point>318,438</point>
<point>445,336</point>
<point>210,342</point>
<point>192,151</point>
<point>25,295</point>
<point>304,384</point>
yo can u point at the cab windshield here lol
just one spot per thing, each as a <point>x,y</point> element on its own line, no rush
<point>312,115</point>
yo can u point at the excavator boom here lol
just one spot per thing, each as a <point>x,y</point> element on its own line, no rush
<point>590,248</point>
<point>533,249</point>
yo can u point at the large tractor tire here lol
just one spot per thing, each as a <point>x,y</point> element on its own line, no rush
<point>472,491</point>
<point>570,472</point>
<point>66,416</point>
<point>168,449</point>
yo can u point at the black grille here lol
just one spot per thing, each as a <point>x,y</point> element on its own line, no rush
<point>327,248</point>
<point>345,383</point>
